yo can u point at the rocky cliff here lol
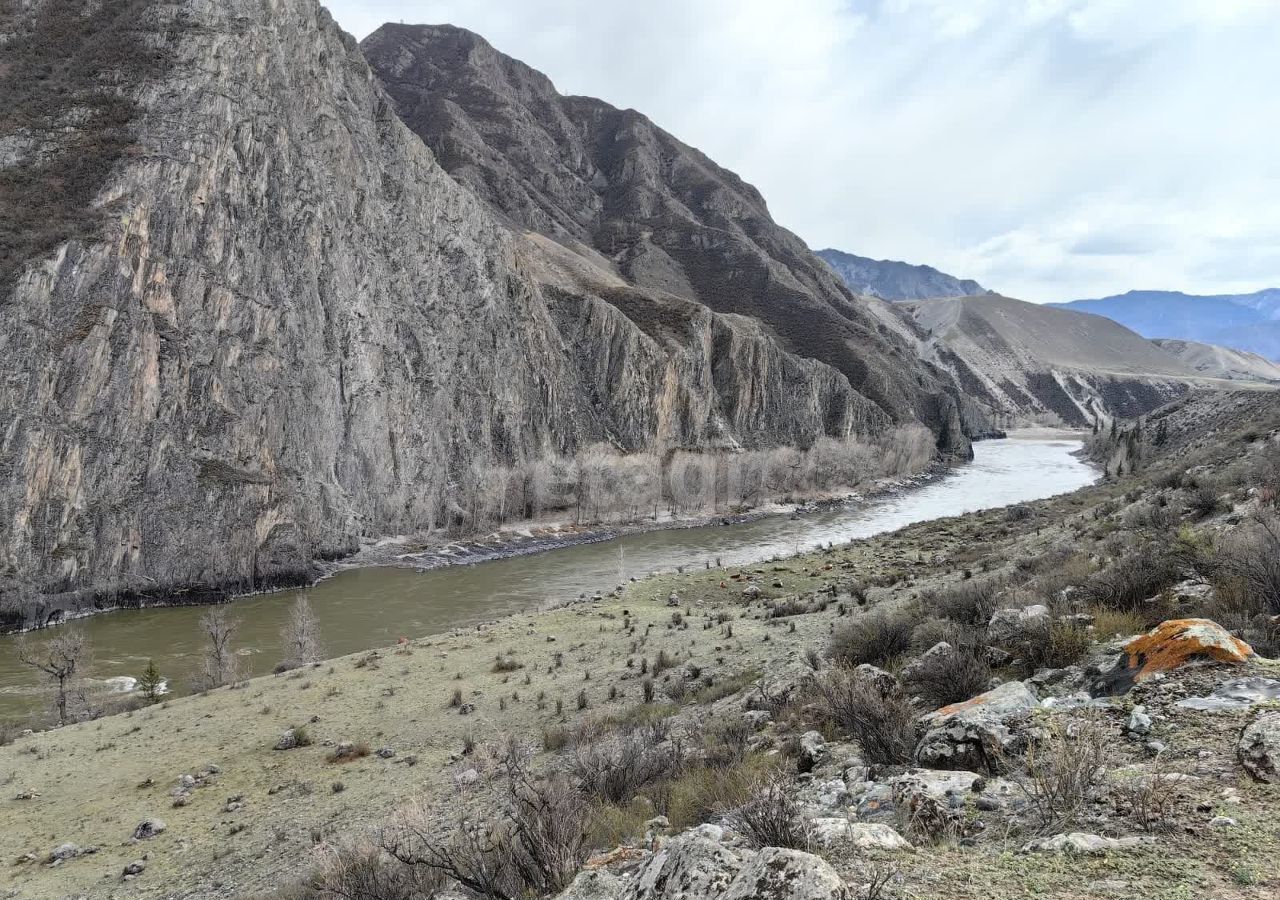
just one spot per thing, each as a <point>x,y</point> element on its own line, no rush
<point>635,202</point>
<point>892,280</point>
<point>263,324</point>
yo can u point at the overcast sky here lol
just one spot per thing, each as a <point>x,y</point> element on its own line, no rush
<point>1051,149</point>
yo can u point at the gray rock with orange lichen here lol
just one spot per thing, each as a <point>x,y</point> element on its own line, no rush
<point>975,734</point>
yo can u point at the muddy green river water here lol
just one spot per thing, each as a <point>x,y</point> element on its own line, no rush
<point>364,608</point>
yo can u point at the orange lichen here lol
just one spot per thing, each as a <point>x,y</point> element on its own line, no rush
<point>1173,643</point>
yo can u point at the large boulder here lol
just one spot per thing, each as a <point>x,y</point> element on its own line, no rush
<point>1259,747</point>
<point>694,867</point>
<point>978,733</point>
<point>594,884</point>
<point>778,874</point>
<point>1171,645</point>
<point>1008,626</point>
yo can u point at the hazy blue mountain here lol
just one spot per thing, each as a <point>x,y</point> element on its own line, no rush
<point>891,280</point>
<point>1249,322</point>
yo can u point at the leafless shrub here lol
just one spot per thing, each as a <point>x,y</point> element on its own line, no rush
<point>1062,771</point>
<point>366,872</point>
<point>616,766</point>
<point>968,602</point>
<point>1148,800</point>
<point>952,676</point>
<point>876,638</point>
<point>882,723</point>
<point>771,818</point>
<point>530,843</point>
<point>1248,566</point>
<point>1131,580</point>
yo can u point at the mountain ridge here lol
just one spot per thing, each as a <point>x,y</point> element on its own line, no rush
<point>1248,322</point>
<point>894,280</point>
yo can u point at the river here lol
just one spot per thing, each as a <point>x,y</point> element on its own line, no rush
<point>363,608</point>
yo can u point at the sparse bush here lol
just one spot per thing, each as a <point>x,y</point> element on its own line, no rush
<point>1248,568</point>
<point>365,872</point>
<point>772,817</point>
<point>1205,500</point>
<point>876,638</point>
<point>1131,580</point>
<point>969,602</point>
<point>531,842</point>
<point>616,766</point>
<point>1062,770</point>
<point>1053,645</point>
<point>1107,623</point>
<point>884,724</point>
<point>945,678</point>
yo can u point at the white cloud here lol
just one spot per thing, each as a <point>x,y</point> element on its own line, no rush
<point>1050,148</point>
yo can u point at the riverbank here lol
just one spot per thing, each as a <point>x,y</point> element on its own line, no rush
<point>364,607</point>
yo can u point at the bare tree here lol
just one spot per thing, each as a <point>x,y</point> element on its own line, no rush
<point>219,630</point>
<point>300,636</point>
<point>60,658</point>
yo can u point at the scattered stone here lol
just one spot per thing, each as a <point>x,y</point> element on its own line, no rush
<point>147,829</point>
<point>1259,747</point>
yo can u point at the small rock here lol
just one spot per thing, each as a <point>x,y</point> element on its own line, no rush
<point>64,852</point>
<point>386,753</point>
<point>1223,822</point>
<point>1259,747</point>
<point>469,776</point>
<point>1139,722</point>
<point>288,740</point>
<point>135,868</point>
<point>147,829</point>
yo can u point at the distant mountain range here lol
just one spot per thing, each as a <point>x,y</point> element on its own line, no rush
<point>1249,322</point>
<point>892,280</point>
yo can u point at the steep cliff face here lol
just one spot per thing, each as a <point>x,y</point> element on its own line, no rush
<point>660,215</point>
<point>278,327</point>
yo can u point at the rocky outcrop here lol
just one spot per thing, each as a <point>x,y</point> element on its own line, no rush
<point>630,200</point>
<point>1176,642</point>
<point>289,330</point>
<point>979,733</point>
<point>693,865</point>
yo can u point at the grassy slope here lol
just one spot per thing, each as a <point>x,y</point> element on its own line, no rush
<point>87,776</point>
